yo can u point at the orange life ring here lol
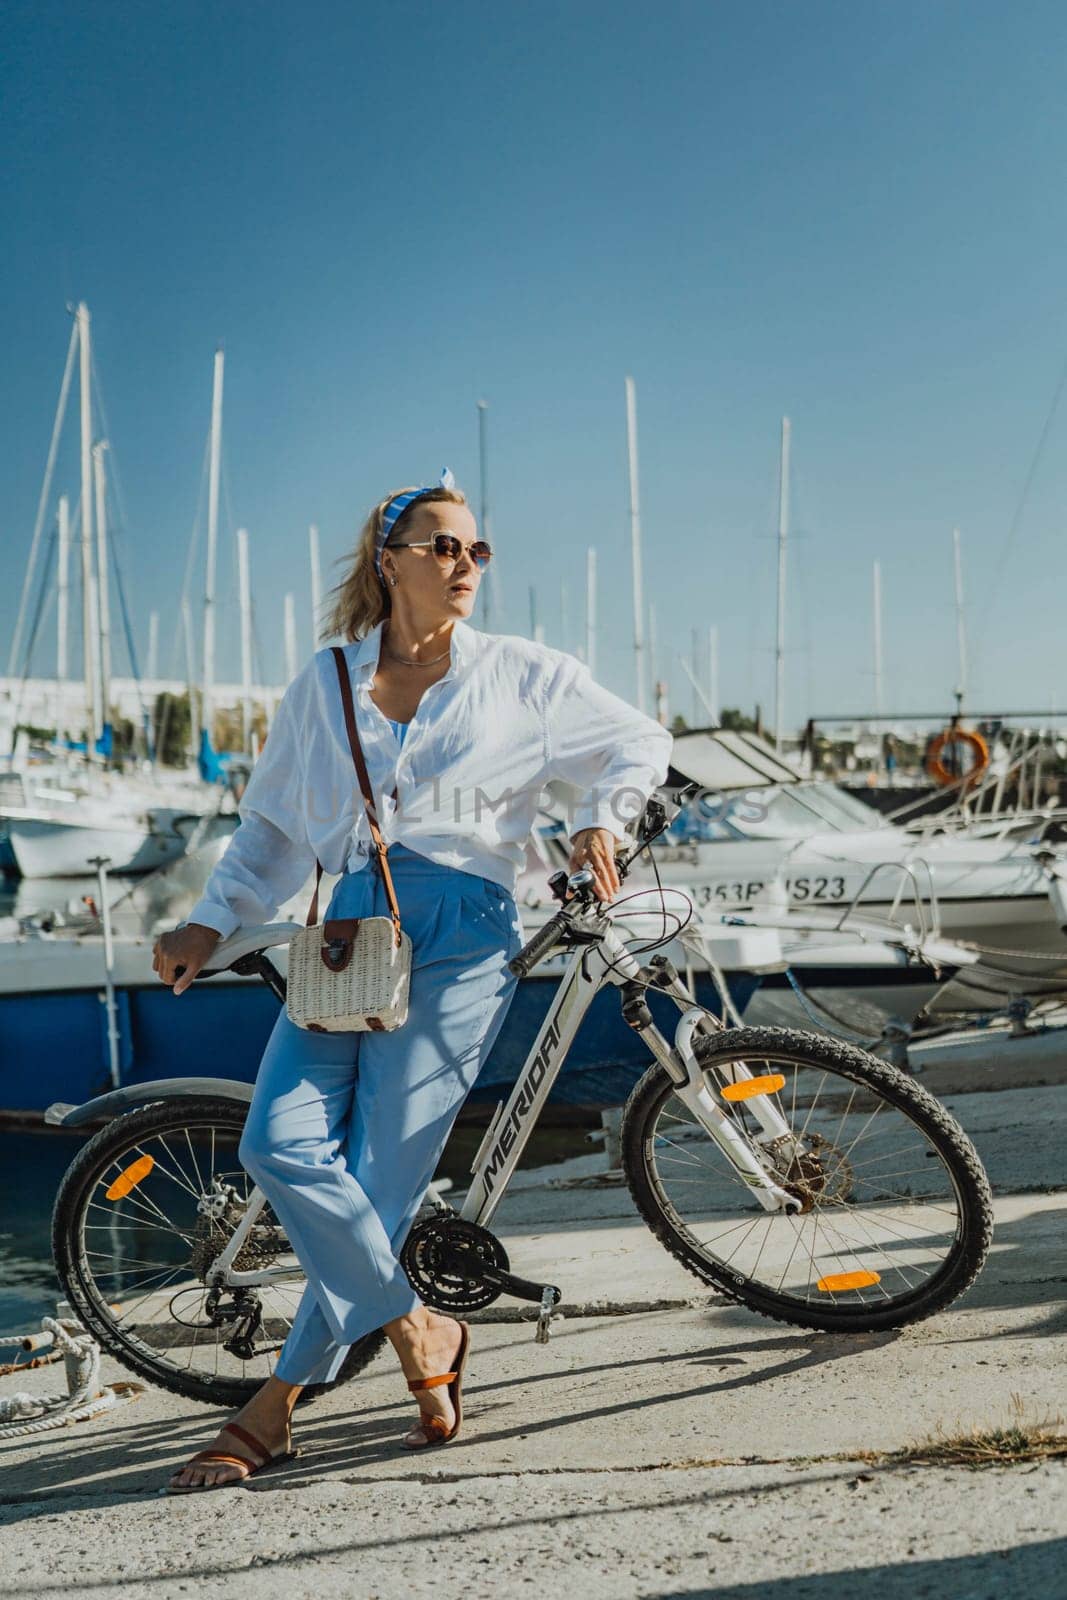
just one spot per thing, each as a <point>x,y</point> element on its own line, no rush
<point>943,774</point>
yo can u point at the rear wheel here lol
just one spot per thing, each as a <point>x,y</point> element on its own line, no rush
<point>142,1212</point>
<point>895,1211</point>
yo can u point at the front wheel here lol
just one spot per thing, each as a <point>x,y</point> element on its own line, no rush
<point>142,1213</point>
<point>895,1211</point>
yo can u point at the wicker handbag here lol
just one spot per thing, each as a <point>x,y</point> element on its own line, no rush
<point>352,974</point>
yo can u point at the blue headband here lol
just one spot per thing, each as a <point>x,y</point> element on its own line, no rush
<point>396,508</point>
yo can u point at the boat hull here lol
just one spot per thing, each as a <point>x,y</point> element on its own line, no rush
<point>47,848</point>
<point>990,892</point>
<point>54,1043</point>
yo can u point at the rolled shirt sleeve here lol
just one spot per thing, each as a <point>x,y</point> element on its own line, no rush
<point>269,857</point>
<point>613,754</point>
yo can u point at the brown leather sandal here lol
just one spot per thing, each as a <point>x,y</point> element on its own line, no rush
<point>220,1456</point>
<point>436,1429</point>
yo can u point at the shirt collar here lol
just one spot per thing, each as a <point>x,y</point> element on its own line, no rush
<point>464,646</point>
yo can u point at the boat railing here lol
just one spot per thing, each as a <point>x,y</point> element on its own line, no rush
<point>907,875</point>
<point>1025,764</point>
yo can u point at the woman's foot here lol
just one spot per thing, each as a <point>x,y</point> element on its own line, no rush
<point>266,1416</point>
<point>427,1344</point>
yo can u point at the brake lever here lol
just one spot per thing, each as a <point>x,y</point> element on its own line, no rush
<point>656,820</point>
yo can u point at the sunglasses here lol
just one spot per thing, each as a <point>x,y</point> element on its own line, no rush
<point>447,548</point>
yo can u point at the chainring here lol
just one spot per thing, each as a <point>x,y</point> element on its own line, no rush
<point>443,1256</point>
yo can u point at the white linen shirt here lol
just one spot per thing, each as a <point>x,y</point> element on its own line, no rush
<point>508,717</point>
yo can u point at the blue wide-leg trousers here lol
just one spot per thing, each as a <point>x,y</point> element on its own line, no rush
<point>345,1130</point>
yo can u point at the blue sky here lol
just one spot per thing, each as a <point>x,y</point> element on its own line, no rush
<point>850,213</point>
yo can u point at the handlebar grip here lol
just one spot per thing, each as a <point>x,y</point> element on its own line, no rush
<point>539,945</point>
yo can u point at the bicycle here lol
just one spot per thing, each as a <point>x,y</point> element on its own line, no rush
<point>797,1175</point>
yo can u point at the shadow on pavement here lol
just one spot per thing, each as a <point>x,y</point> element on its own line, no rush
<point>1029,1571</point>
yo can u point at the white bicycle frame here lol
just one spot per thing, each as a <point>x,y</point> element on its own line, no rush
<point>589,968</point>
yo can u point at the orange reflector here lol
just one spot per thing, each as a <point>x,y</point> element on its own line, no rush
<point>848,1280</point>
<point>749,1088</point>
<point>130,1178</point>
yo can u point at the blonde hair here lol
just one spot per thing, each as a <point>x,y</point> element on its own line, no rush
<point>361,600</point>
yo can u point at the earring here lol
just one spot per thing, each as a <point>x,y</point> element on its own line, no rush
<point>393,582</point>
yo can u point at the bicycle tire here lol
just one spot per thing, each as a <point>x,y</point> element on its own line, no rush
<point>974,1228</point>
<point>110,1143</point>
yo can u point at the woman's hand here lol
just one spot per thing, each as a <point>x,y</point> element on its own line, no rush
<point>187,947</point>
<point>595,848</point>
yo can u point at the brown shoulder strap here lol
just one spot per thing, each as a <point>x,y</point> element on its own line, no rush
<point>313,908</point>
<point>365,785</point>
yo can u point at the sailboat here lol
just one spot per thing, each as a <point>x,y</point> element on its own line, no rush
<point>61,813</point>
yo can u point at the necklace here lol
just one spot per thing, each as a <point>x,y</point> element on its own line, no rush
<point>404,662</point>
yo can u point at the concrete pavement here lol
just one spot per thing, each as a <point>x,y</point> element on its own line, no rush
<point>663,1442</point>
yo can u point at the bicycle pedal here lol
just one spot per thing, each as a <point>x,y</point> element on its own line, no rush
<point>550,1298</point>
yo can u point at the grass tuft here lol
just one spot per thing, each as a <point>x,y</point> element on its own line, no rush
<point>1019,1441</point>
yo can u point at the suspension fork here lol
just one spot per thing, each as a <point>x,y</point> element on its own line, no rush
<point>695,1019</point>
<point>690,1084</point>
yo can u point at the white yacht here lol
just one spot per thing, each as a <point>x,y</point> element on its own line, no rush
<point>785,841</point>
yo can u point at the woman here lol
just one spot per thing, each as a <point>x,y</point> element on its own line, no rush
<point>460,732</point>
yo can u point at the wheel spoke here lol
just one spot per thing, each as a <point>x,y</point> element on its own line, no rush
<point>850,1158</point>
<point>147,1250</point>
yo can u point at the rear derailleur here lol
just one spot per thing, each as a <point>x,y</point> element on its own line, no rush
<point>244,1312</point>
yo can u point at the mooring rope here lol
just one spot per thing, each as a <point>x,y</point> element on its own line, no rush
<point>24,1413</point>
<point>833,1025</point>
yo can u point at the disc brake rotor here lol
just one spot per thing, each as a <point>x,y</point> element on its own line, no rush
<point>819,1176</point>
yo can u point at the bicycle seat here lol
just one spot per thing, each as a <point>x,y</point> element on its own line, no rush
<point>245,942</point>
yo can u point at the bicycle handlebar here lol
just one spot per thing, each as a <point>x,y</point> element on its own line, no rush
<point>654,821</point>
<point>538,947</point>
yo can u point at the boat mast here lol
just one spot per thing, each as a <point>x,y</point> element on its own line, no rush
<point>878,698</point>
<point>152,676</point>
<point>590,609</point>
<point>537,629</point>
<point>214,462</point>
<point>290,638</point>
<point>651,636</point>
<point>961,627</point>
<point>42,504</point>
<point>698,688</point>
<point>153,646</point>
<point>660,685</point>
<point>100,486</point>
<point>94,721</point>
<point>246,638</point>
<point>316,584</point>
<point>635,541</point>
<point>62,616</point>
<point>190,677</point>
<point>484,519</point>
<point>713,673</point>
<point>783,535</point>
